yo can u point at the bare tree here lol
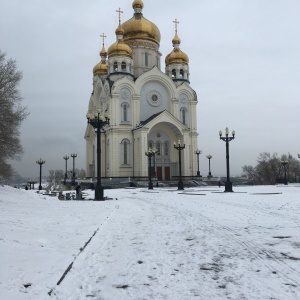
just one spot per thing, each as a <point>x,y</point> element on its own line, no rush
<point>269,169</point>
<point>11,114</point>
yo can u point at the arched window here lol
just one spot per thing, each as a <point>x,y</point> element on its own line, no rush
<point>173,73</point>
<point>125,112</point>
<point>184,116</point>
<point>158,147</point>
<point>150,144</point>
<point>125,151</point>
<point>166,148</point>
<point>123,66</point>
<point>146,59</point>
<point>181,73</point>
<point>115,66</point>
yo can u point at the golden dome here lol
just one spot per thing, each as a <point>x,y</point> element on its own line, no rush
<point>103,52</point>
<point>119,30</point>
<point>100,69</point>
<point>138,4</point>
<point>176,57</point>
<point>119,48</point>
<point>176,40</point>
<point>138,29</point>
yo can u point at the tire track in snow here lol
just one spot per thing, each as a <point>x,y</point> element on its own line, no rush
<point>81,251</point>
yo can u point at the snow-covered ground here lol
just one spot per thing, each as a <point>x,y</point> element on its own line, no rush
<point>160,244</point>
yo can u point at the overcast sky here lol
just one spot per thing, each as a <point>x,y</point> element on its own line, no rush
<point>244,65</point>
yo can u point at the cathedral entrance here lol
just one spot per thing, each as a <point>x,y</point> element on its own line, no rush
<point>163,173</point>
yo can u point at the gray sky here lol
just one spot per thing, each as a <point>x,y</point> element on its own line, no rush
<point>244,65</point>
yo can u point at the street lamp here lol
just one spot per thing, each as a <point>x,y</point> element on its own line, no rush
<point>98,122</point>
<point>284,163</point>
<point>179,147</point>
<point>198,152</point>
<point>227,139</point>
<point>209,158</point>
<point>73,155</point>
<point>150,153</point>
<point>66,157</point>
<point>40,162</point>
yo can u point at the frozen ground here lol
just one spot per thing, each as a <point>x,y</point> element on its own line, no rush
<point>200,244</point>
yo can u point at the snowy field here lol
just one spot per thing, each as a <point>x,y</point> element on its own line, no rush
<point>199,244</point>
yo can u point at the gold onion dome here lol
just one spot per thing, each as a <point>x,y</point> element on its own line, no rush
<point>176,56</point>
<point>138,29</point>
<point>101,68</point>
<point>119,48</point>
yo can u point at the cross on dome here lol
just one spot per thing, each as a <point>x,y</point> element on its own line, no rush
<point>120,12</point>
<point>103,37</point>
<point>176,23</point>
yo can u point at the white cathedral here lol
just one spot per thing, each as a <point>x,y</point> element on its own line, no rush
<point>148,108</point>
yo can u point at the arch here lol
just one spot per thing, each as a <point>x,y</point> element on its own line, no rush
<point>125,152</point>
<point>150,144</point>
<point>184,115</point>
<point>123,66</point>
<point>158,147</point>
<point>166,148</point>
<point>125,112</point>
<point>115,66</point>
<point>181,73</point>
<point>173,73</point>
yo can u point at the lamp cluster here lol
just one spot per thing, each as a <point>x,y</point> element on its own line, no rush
<point>150,153</point>
<point>97,121</point>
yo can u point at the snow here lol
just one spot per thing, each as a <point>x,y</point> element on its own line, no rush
<point>198,243</point>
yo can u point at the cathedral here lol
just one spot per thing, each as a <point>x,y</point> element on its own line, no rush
<point>148,107</point>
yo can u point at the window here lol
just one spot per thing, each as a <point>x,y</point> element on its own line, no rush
<point>123,66</point>
<point>150,144</point>
<point>173,73</point>
<point>146,59</point>
<point>184,116</point>
<point>115,66</point>
<point>125,153</point>
<point>125,149</point>
<point>125,112</point>
<point>166,148</point>
<point>158,148</point>
<point>181,73</point>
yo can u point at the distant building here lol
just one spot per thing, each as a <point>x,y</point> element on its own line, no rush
<point>148,108</point>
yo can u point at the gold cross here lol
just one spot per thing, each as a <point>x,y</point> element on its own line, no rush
<point>103,37</point>
<point>120,12</point>
<point>176,23</point>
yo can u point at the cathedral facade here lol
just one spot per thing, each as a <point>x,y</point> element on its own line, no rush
<point>148,108</point>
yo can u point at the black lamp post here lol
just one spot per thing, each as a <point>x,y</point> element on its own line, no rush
<point>179,147</point>
<point>73,155</point>
<point>150,153</point>
<point>198,152</point>
<point>209,158</point>
<point>40,162</point>
<point>284,163</point>
<point>98,122</point>
<point>227,139</point>
<point>66,157</point>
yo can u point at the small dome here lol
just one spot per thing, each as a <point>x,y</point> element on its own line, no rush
<point>138,4</point>
<point>119,48</point>
<point>176,40</point>
<point>100,69</point>
<point>103,52</point>
<point>119,30</point>
<point>176,57</point>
